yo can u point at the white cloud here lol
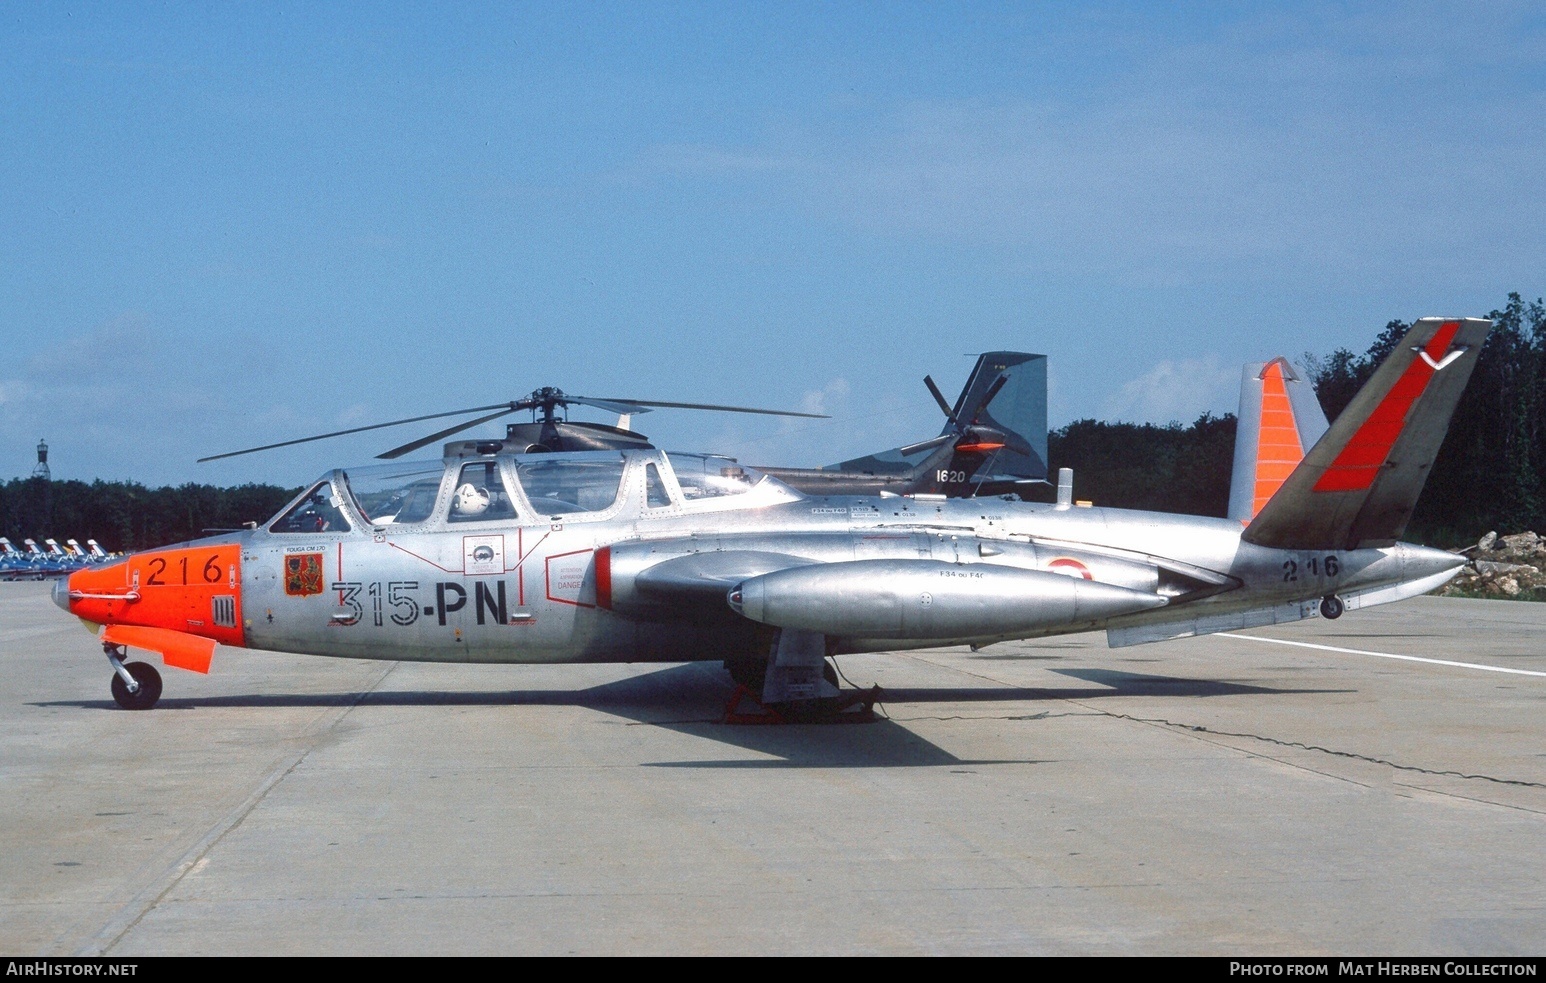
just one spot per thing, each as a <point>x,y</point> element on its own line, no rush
<point>1177,391</point>
<point>828,400</point>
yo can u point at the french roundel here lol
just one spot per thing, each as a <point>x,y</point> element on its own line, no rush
<point>1069,567</point>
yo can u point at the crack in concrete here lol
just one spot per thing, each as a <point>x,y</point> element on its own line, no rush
<point>1198,728</point>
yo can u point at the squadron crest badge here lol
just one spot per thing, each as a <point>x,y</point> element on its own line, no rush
<point>303,574</point>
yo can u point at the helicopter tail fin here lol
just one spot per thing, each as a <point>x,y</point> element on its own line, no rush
<point>1005,399</point>
<point>1005,394</point>
<point>1358,485</point>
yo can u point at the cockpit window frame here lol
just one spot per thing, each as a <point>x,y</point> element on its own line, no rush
<point>709,503</point>
<point>631,498</point>
<point>667,483</point>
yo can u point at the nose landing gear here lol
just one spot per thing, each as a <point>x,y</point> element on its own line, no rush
<point>137,685</point>
<point>1331,606</point>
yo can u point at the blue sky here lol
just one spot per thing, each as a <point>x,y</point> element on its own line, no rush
<point>235,225</point>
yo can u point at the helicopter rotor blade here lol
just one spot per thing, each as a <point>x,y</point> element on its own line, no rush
<point>924,445</point>
<point>503,408</point>
<point>439,435</point>
<point>542,399</point>
<point>939,398</point>
<point>706,406</point>
<point>622,407</point>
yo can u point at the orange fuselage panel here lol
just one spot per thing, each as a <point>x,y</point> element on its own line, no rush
<point>194,590</point>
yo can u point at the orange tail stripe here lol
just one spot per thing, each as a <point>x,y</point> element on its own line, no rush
<point>977,448</point>
<point>1278,448</point>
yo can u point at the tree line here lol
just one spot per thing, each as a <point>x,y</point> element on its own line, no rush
<point>1486,476</point>
<point>125,515</point>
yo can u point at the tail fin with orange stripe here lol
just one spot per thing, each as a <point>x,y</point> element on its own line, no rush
<point>1279,420</point>
<point>1357,486</point>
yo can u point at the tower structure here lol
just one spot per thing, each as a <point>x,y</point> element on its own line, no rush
<point>42,462</point>
<point>41,471</point>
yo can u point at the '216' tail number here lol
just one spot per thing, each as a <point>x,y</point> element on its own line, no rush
<point>1314,566</point>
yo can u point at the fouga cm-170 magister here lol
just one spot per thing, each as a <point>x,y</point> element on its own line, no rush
<point>638,555</point>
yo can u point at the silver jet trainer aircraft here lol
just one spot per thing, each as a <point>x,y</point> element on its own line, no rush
<point>639,555</point>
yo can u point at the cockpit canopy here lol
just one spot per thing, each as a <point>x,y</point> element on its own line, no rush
<point>506,488</point>
<point>566,484</point>
<point>403,492</point>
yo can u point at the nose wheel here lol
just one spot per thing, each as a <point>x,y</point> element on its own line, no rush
<point>136,685</point>
<point>1331,607</point>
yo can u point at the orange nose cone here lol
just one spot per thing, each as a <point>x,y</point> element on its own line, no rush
<point>99,594</point>
<point>195,590</point>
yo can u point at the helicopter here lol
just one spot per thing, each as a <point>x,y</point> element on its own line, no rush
<point>994,441</point>
<point>492,554</point>
<point>977,452</point>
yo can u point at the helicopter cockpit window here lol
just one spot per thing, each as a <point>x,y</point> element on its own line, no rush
<point>562,485</point>
<point>480,494</point>
<point>655,494</point>
<point>317,511</point>
<point>702,477</point>
<point>396,493</point>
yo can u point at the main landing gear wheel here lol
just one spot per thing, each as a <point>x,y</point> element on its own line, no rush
<point>1332,606</point>
<point>148,691</point>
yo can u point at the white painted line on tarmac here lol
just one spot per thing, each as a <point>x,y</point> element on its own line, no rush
<point>1385,655</point>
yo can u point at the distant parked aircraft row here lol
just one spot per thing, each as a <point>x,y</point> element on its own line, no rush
<point>36,563</point>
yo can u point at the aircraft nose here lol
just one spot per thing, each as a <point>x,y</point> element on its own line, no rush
<point>193,590</point>
<point>61,592</point>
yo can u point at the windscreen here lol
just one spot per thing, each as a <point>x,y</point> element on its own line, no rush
<point>316,511</point>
